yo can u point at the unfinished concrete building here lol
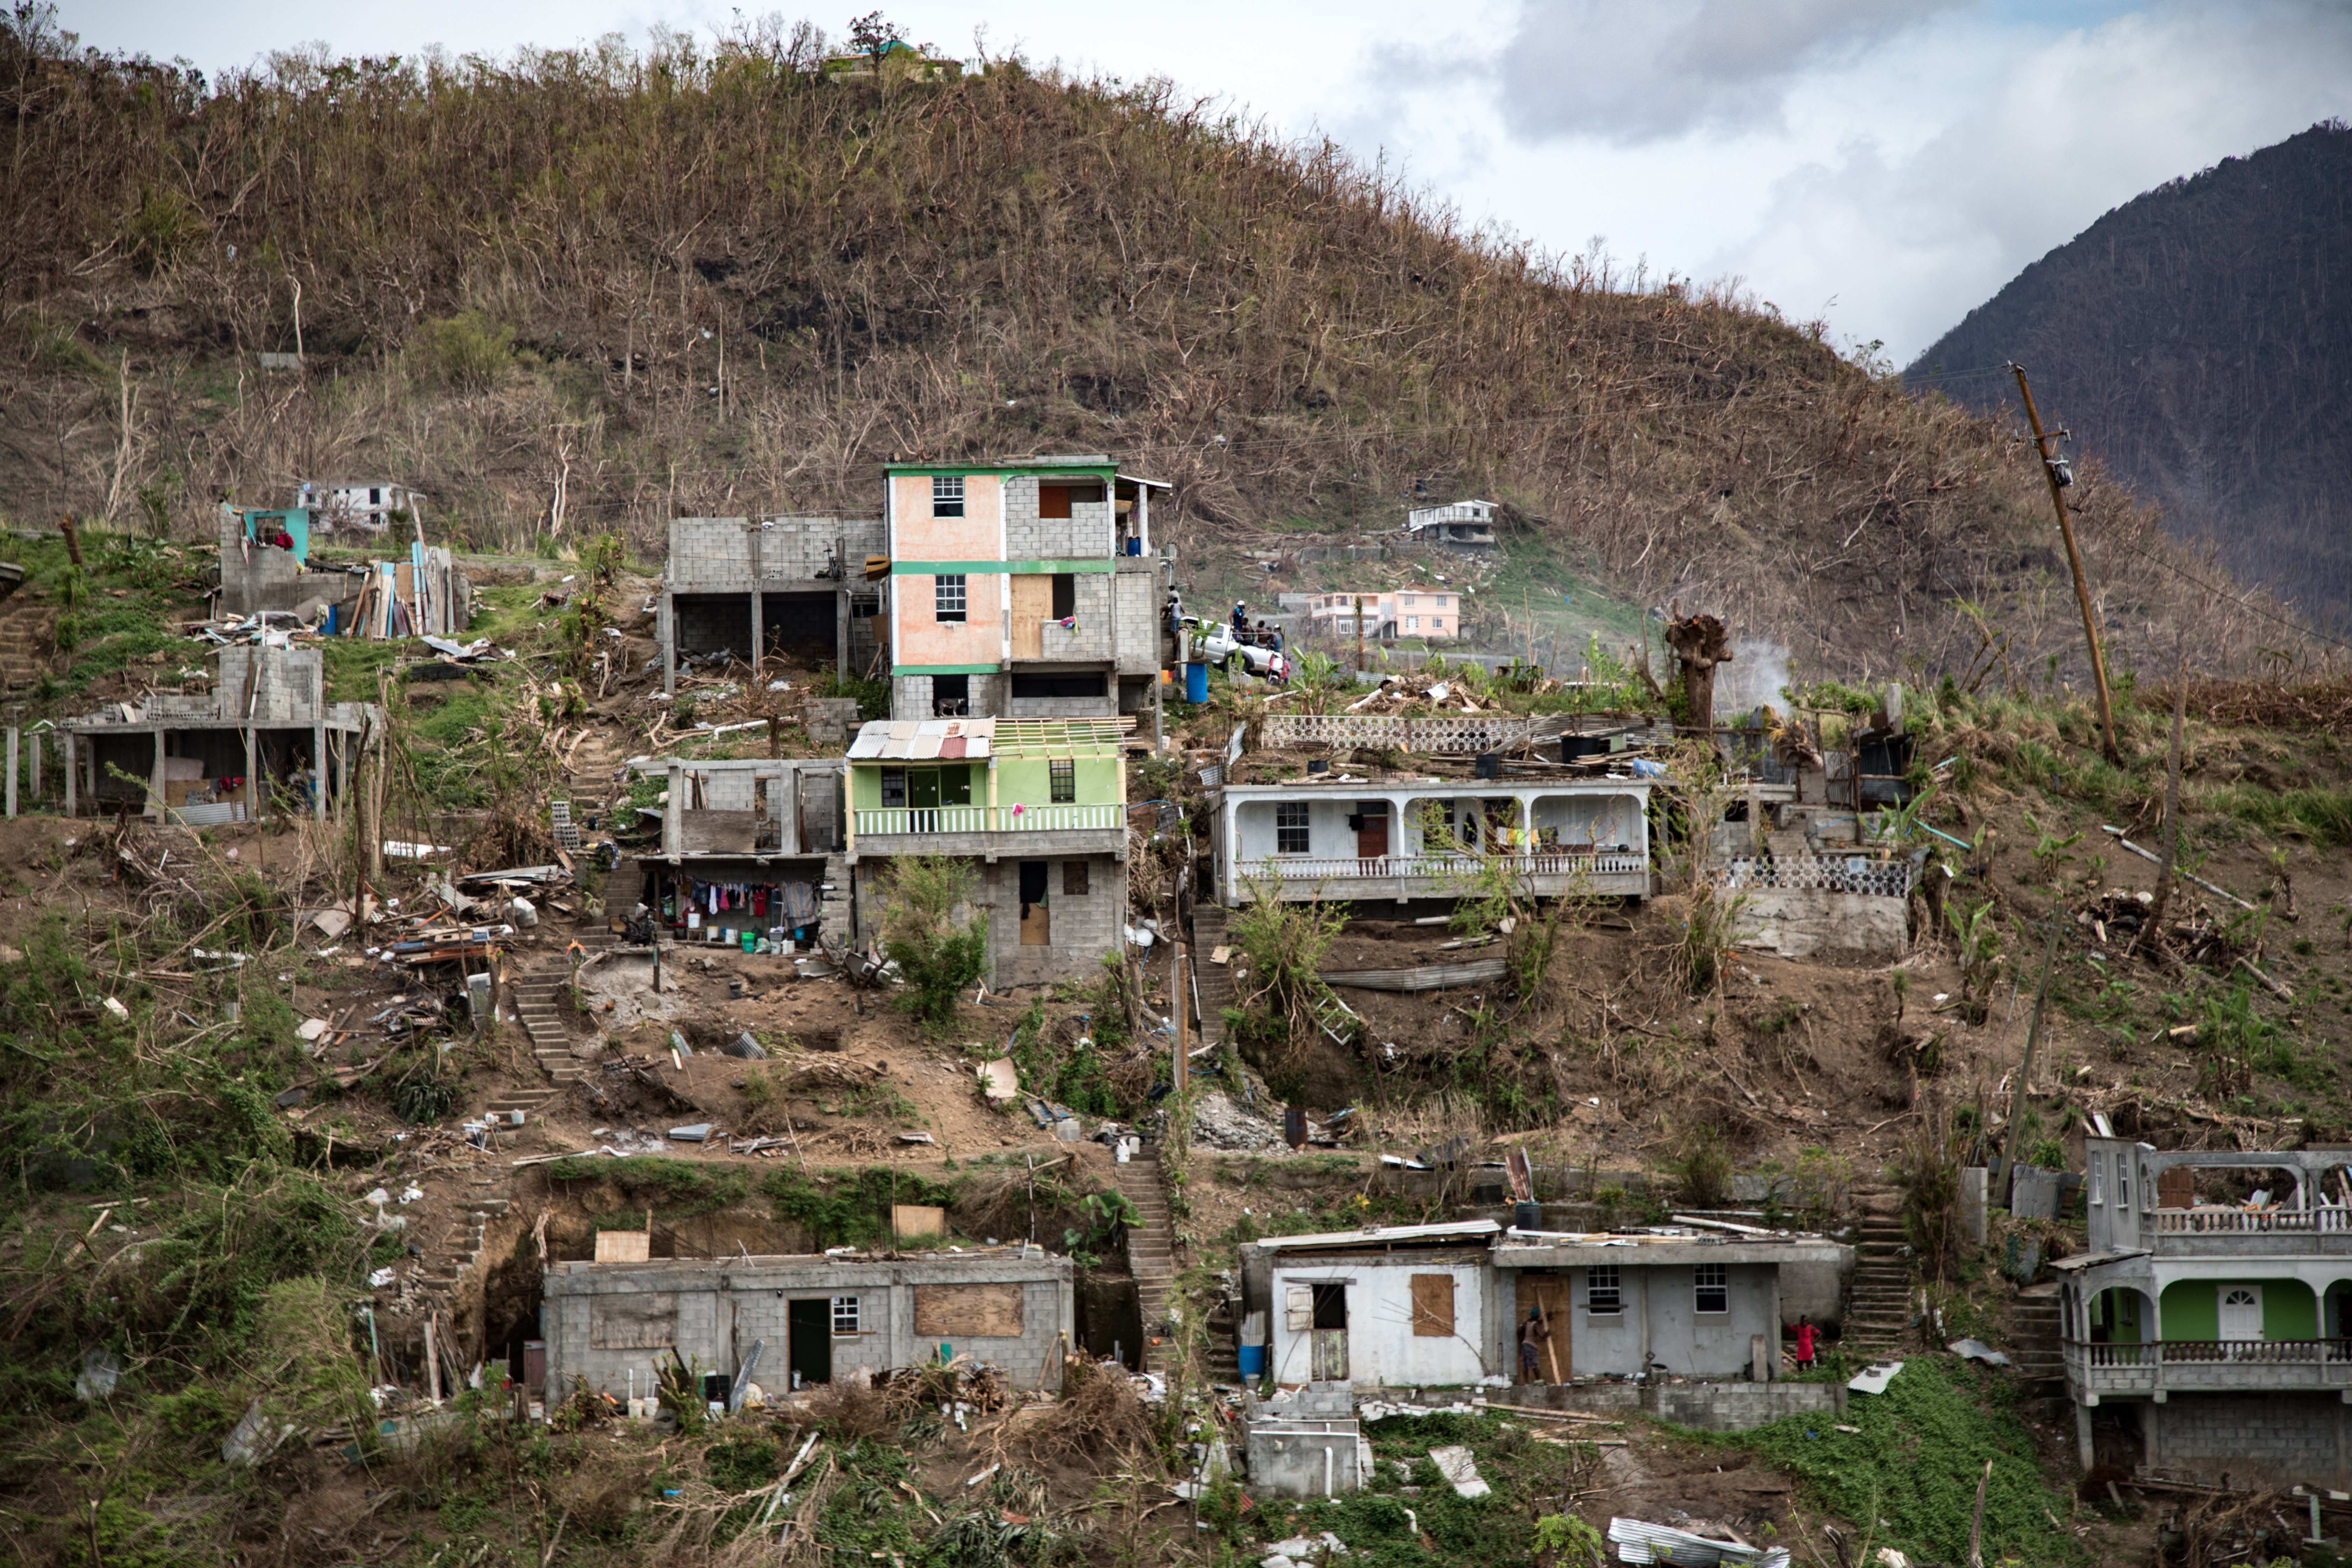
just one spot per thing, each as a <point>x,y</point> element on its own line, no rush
<point>809,1318</point>
<point>791,586</point>
<point>216,756</point>
<point>753,845</point>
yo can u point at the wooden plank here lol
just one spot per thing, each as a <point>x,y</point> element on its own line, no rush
<point>968,1311</point>
<point>643,1321</point>
<point>914,1220</point>
<point>624,1247</point>
<point>1432,1305</point>
<point>1032,604</point>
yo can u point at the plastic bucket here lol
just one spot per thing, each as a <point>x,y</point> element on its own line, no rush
<point>1196,682</point>
<point>750,941</point>
<point>1252,1361</point>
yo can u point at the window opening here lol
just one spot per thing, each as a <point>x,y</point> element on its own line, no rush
<point>948,597</point>
<point>1062,780</point>
<point>1603,1296</point>
<point>947,497</point>
<point>1713,1289</point>
<point>845,1314</point>
<point>1290,830</point>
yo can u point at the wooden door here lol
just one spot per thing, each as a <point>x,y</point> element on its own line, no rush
<point>1556,1361</point>
<point>1033,606</point>
<point>1372,830</point>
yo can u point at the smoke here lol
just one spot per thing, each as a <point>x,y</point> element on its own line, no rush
<point>1753,679</point>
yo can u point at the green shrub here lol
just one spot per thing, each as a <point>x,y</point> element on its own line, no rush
<point>465,353</point>
<point>937,957</point>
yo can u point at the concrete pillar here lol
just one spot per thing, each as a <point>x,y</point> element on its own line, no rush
<point>319,771</point>
<point>342,766</point>
<point>2083,1432</point>
<point>759,627</point>
<point>36,765</point>
<point>155,782</point>
<point>841,618</point>
<point>665,633</point>
<point>12,769</point>
<point>73,778</point>
<point>252,779</point>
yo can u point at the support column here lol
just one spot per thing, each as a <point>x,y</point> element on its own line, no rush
<point>759,627</point>
<point>37,749</point>
<point>319,771</point>
<point>342,766</point>
<point>841,628</point>
<point>252,782</point>
<point>2083,1432</point>
<point>12,742</point>
<point>155,781</point>
<point>73,773</point>
<point>665,632</point>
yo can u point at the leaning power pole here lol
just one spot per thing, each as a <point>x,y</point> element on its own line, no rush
<point>2073,562</point>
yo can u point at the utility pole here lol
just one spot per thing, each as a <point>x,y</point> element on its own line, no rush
<point>2073,562</point>
<point>1360,633</point>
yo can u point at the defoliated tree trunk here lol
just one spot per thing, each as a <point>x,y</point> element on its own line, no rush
<point>1699,643</point>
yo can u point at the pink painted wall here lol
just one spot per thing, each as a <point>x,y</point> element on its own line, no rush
<point>978,535</point>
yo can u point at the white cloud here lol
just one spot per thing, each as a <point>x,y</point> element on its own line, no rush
<point>1632,73</point>
<point>1909,243</point>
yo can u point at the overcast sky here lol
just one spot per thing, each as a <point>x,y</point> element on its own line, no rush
<point>1888,166</point>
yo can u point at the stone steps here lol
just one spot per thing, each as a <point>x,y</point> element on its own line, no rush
<point>1216,980</point>
<point>1150,1253</point>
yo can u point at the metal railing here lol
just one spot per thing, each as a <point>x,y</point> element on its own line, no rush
<point>923,820</point>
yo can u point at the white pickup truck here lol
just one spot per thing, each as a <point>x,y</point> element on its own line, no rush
<point>1216,643</point>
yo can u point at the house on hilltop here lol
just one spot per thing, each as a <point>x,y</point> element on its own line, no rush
<point>1460,525</point>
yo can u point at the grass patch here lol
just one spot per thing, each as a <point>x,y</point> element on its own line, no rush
<point>1914,1461</point>
<point>2323,816</point>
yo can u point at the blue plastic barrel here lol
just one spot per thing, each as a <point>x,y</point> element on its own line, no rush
<point>1196,682</point>
<point>1252,1361</point>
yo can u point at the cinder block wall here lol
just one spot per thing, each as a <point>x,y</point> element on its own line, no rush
<point>1084,926</point>
<point>715,1311</point>
<point>1085,534</point>
<point>2273,1439</point>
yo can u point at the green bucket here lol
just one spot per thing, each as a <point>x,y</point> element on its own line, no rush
<point>750,941</point>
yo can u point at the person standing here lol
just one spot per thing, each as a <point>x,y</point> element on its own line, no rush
<point>1805,1344</point>
<point>1532,1334</point>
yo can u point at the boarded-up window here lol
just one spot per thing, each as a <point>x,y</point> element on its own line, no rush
<point>1073,877</point>
<point>2175,1187</point>
<point>1298,1307</point>
<point>968,1311</point>
<point>1432,1305</point>
<point>1052,501</point>
<point>645,1321</point>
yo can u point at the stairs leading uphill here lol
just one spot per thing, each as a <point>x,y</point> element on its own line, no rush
<point>1151,1254</point>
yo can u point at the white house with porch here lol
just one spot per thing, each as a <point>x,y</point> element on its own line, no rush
<point>1337,836</point>
<point>2208,1324</point>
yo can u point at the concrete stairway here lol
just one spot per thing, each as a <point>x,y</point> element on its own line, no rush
<point>1878,1311</point>
<point>1216,980</point>
<point>1151,1254</point>
<point>535,996</point>
<point>26,628</point>
<point>2034,1329</point>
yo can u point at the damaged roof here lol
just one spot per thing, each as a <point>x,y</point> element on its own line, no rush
<point>950,740</point>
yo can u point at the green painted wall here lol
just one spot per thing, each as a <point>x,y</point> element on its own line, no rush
<point>952,784</point>
<point>2116,1303</point>
<point>2192,1310</point>
<point>1024,780</point>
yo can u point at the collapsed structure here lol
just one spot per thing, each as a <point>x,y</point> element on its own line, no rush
<point>750,588</point>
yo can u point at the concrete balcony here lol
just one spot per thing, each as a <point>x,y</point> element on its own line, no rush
<point>989,832</point>
<point>2232,1232</point>
<point>1303,878</point>
<point>2206,1366</point>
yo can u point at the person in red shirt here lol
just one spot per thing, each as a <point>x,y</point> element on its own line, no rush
<point>1804,1344</point>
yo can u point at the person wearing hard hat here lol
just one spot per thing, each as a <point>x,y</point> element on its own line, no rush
<point>1241,621</point>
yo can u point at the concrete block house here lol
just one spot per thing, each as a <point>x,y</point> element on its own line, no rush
<point>776,585</point>
<point>814,1318</point>
<point>751,843</point>
<point>1038,806</point>
<point>1023,589</point>
<point>2207,1326</point>
<point>1327,836</point>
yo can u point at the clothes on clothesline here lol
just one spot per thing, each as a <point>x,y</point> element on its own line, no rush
<point>790,904</point>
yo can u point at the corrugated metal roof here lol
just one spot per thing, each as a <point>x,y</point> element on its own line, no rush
<point>922,740</point>
<point>1637,1540</point>
<point>1464,1230</point>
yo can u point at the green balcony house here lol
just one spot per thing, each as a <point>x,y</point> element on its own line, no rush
<point>2208,1325</point>
<point>1037,805</point>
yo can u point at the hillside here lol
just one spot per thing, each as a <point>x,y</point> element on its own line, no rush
<point>582,291</point>
<point>2197,339</point>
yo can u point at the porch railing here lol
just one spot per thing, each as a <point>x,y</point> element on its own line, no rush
<point>2219,1221</point>
<point>925,820</point>
<point>2207,1364</point>
<point>1446,868</point>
